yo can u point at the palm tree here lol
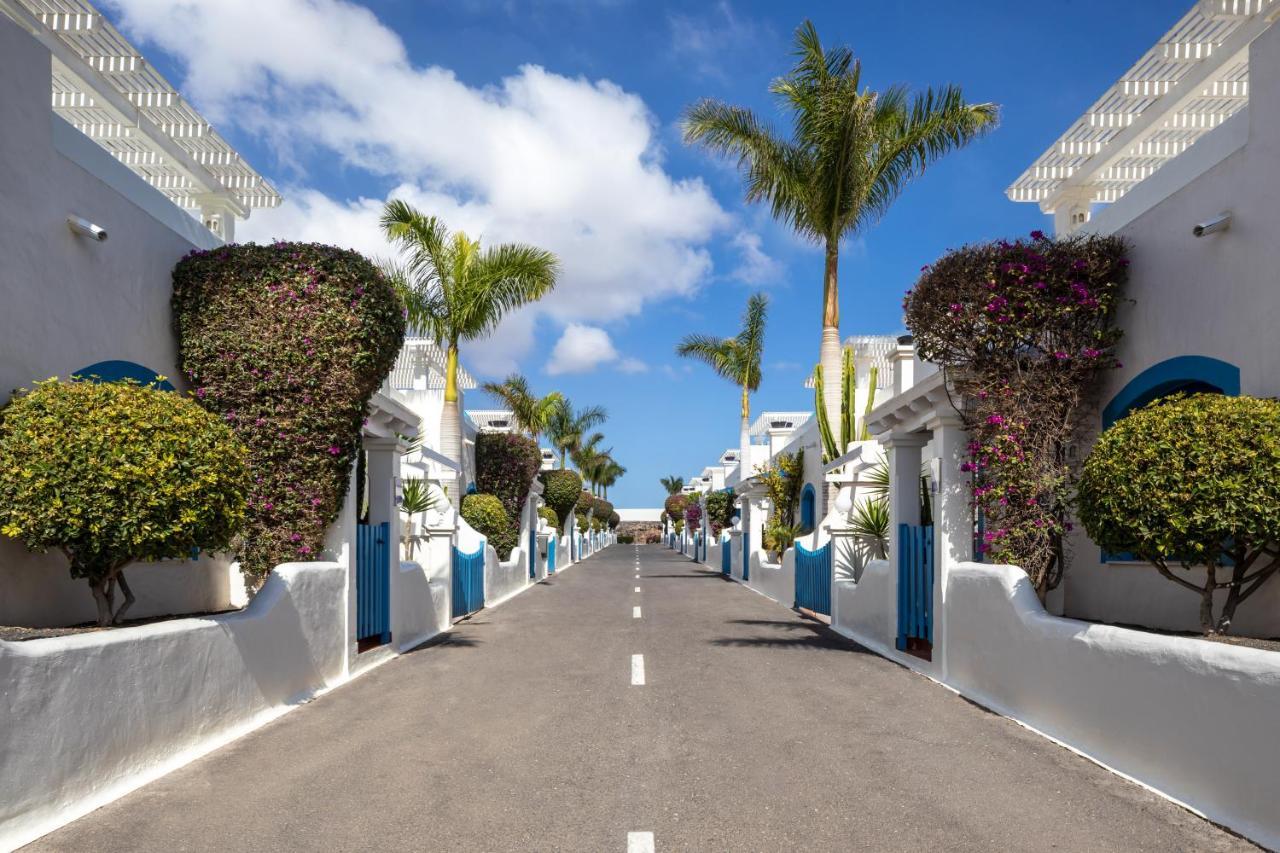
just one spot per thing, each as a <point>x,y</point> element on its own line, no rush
<point>455,291</point>
<point>672,484</point>
<point>566,426</point>
<point>851,154</point>
<point>587,457</point>
<point>530,412</point>
<point>736,359</point>
<point>610,474</point>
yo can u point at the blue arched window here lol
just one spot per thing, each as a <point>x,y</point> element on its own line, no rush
<point>1193,374</point>
<point>808,507</point>
<point>1189,374</point>
<point>115,371</point>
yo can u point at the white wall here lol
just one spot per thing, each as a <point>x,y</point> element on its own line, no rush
<point>89,717</point>
<point>775,580</point>
<point>1214,296</point>
<point>1195,720</point>
<point>70,303</point>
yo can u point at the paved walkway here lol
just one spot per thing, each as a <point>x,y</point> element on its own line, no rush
<point>754,730</point>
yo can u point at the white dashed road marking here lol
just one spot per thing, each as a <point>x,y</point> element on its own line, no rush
<point>637,589</point>
<point>637,670</point>
<point>635,613</point>
<point>640,842</point>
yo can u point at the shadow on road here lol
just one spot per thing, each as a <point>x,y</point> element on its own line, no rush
<point>815,636</point>
<point>686,576</point>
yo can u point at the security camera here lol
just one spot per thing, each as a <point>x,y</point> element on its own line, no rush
<point>1221,222</point>
<point>86,228</point>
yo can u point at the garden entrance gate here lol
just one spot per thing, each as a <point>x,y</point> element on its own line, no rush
<point>468,581</point>
<point>915,587</point>
<point>813,579</point>
<point>373,583</point>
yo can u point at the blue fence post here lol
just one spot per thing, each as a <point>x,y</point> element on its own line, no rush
<point>746,556</point>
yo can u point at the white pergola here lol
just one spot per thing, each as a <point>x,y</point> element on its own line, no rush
<point>421,367</point>
<point>106,89</point>
<point>1190,82</point>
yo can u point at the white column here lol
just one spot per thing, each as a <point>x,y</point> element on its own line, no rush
<point>904,361</point>
<point>1072,211</point>
<point>952,521</point>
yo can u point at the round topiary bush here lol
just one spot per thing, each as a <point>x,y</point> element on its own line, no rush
<point>287,343</point>
<point>602,508</point>
<point>560,492</point>
<point>586,502</point>
<point>505,466</point>
<point>548,515</point>
<point>1192,481</point>
<point>488,517</point>
<point>614,520</point>
<point>675,505</point>
<point>112,473</point>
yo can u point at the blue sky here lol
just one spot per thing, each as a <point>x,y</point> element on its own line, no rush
<point>556,122</point>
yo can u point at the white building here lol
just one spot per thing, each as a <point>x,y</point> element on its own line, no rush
<point>118,149</point>
<point>1187,136</point>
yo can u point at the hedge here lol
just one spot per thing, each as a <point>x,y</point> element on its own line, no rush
<point>560,492</point>
<point>505,466</point>
<point>489,518</point>
<point>111,473</point>
<point>287,343</point>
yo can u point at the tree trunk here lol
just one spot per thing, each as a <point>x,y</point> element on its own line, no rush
<point>451,426</point>
<point>100,597</point>
<point>744,437</point>
<point>829,356</point>
<point>118,617</point>
<point>1206,598</point>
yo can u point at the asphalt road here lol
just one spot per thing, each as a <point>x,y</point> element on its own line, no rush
<point>754,730</point>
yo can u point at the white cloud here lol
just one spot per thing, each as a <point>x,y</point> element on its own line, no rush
<point>569,164</point>
<point>703,42</point>
<point>755,266</point>
<point>581,349</point>
<point>632,365</point>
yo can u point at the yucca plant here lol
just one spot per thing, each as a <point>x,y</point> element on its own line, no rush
<point>870,524</point>
<point>416,498</point>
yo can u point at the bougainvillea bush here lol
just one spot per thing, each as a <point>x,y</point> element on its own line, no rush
<point>488,517</point>
<point>560,492</point>
<point>116,472</point>
<point>693,515</point>
<point>1191,481</point>
<point>1023,329</point>
<point>287,343</point>
<point>506,465</point>
<point>674,507</point>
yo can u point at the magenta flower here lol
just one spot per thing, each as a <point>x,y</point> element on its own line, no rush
<point>334,450</point>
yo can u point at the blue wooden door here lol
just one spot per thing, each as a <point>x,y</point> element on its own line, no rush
<point>726,556</point>
<point>746,556</point>
<point>373,582</point>
<point>813,579</point>
<point>533,553</point>
<point>551,555</point>
<point>915,585</point>
<point>468,582</point>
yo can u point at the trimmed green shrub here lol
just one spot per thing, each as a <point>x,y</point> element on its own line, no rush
<point>719,511</point>
<point>1193,481</point>
<point>626,539</point>
<point>548,515</point>
<point>287,343</point>
<point>560,492</point>
<point>111,473</point>
<point>674,506</point>
<point>586,502</point>
<point>505,466</point>
<point>614,520</point>
<point>602,508</point>
<point>489,518</point>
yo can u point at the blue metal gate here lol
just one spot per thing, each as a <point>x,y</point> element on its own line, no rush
<point>551,555</point>
<point>533,554</point>
<point>373,582</point>
<point>726,556</point>
<point>915,584</point>
<point>468,582</point>
<point>813,579</point>
<point>746,556</point>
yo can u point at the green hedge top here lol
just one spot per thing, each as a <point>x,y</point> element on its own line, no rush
<point>117,472</point>
<point>560,492</point>
<point>287,343</point>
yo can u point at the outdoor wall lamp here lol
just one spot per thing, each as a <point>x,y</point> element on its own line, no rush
<point>1221,222</point>
<point>85,228</point>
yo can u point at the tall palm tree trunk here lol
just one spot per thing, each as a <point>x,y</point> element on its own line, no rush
<point>829,356</point>
<point>451,426</point>
<point>744,437</point>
